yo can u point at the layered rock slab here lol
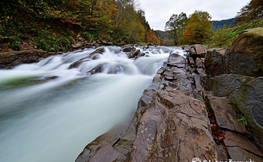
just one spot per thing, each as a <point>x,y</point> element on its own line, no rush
<point>174,128</point>
<point>247,94</point>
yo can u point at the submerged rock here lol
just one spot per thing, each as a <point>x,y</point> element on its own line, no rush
<point>91,56</point>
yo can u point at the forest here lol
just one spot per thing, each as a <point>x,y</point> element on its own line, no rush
<point>199,27</point>
<point>53,25</point>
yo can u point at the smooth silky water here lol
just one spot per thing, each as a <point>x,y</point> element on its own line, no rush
<point>50,112</point>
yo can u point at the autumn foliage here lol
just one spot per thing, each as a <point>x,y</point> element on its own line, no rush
<point>116,21</point>
<point>253,10</point>
<point>151,37</point>
<point>198,27</point>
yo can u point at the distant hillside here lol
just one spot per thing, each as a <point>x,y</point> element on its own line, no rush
<point>160,33</point>
<point>221,23</point>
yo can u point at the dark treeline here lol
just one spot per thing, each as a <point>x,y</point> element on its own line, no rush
<point>54,24</point>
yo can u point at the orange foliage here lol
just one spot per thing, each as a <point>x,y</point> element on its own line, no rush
<point>152,38</point>
<point>73,4</point>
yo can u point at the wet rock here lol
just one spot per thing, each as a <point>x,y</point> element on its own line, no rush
<point>99,149</point>
<point>176,127</point>
<point>176,60</point>
<point>197,50</point>
<point>215,61</point>
<point>159,76</point>
<point>191,61</point>
<point>139,55</point>
<point>192,52</point>
<point>134,54</point>
<point>97,52</point>
<point>186,48</point>
<point>225,115</point>
<point>171,122</point>
<point>105,43</point>
<point>121,44</point>
<point>10,59</point>
<point>240,148</point>
<point>173,73</point>
<point>199,63</point>
<point>97,69</point>
<point>173,127</point>
<point>245,55</point>
<point>128,48</point>
<point>91,56</point>
<point>197,80</point>
<point>116,70</point>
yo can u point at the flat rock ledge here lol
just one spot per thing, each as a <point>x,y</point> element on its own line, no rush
<point>177,120</point>
<point>11,59</point>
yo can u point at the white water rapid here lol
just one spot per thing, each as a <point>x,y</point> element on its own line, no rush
<point>50,110</point>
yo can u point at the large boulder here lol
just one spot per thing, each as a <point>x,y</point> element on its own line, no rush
<point>197,50</point>
<point>215,61</point>
<point>225,84</point>
<point>245,55</point>
<point>249,99</point>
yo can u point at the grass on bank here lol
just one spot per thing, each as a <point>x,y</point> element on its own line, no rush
<point>225,36</point>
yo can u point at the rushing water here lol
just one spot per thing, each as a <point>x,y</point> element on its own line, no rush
<point>49,112</point>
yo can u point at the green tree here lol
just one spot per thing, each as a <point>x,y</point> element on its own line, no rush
<point>175,26</point>
<point>129,23</point>
<point>254,9</point>
<point>198,27</point>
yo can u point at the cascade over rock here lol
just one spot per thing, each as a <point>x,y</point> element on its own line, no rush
<point>178,120</point>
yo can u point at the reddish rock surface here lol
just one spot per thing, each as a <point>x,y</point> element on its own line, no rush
<point>174,123</point>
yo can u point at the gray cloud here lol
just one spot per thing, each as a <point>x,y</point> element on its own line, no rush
<point>159,11</point>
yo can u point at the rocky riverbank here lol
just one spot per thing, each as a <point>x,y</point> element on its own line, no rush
<point>195,108</point>
<point>29,54</point>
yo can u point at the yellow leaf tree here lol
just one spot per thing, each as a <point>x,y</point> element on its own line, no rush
<point>198,27</point>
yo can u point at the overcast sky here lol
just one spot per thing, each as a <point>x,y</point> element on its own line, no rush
<point>158,12</point>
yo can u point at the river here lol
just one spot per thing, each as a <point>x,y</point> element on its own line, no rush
<point>50,112</point>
